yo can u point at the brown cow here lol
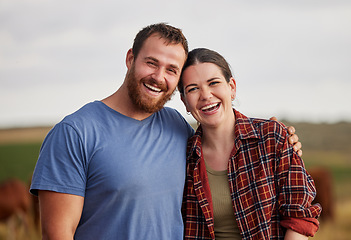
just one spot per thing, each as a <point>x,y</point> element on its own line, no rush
<point>15,202</point>
<point>14,198</point>
<point>323,181</point>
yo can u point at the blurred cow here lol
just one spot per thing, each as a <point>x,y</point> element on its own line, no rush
<point>15,203</point>
<point>14,199</point>
<point>323,181</point>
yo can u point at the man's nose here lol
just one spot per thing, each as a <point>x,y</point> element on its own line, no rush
<point>158,74</point>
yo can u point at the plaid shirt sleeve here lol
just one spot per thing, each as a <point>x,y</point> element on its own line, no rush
<point>296,191</point>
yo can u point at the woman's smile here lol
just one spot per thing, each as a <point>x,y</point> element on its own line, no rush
<point>211,108</point>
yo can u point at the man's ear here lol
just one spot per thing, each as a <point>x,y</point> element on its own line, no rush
<point>129,58</point>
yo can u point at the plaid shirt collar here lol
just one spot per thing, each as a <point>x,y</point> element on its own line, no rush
<point>244,129</point>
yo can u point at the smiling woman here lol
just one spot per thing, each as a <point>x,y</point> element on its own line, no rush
<point>244,181</point>
<point>206,91</point>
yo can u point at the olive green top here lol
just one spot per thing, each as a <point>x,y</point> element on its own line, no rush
<point>225,225</point>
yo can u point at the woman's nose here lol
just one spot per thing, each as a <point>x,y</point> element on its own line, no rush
<point>205,93</point>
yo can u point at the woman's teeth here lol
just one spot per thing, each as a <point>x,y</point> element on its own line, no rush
<point>155,89</point>
<point>210,107</point>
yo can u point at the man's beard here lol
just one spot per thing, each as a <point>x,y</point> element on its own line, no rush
<point>141,101</point>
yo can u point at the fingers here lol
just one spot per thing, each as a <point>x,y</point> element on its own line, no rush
<point>297,146</point>
<point>273,119</point>
<point>299,153</point>
<point>293,139</point>
<point>291,130</point>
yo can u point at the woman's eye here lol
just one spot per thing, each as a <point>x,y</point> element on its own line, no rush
<point>192,89</point>
<point>213,83</point>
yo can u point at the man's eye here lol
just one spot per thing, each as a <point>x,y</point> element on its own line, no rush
<point>172,70</point>
<point>151,63</point>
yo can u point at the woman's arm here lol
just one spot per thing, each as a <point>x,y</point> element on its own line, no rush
<point>296,191</point>
<point>292,235</point>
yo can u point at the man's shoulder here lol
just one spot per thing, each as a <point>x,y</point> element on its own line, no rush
<point>87,109</point>
<point>87,112</point>
<point>169,109</point>
<point>172,113</point>
<point>85,117</point>
<point>175,119</point>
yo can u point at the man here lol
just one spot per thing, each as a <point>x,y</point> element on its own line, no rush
<point>115,169</point>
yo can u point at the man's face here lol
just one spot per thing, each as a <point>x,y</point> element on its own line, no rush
<point>153,76</point>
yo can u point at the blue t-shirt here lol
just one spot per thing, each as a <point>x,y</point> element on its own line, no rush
<point>131,173</point>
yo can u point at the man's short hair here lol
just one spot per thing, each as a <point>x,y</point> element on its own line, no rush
<point>171,34</point>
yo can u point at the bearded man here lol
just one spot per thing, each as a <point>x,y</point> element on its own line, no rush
<point>115,169</point>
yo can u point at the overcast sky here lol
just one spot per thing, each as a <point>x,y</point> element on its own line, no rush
<point>291,59</point>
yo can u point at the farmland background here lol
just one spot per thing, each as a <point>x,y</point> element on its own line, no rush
<point>324,145</point>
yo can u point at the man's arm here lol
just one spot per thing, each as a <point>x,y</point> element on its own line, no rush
<point>60,214</point>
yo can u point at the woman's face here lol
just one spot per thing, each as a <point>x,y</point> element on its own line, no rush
<point>207,94</point>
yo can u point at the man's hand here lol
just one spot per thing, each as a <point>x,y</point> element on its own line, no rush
<point>293,138</point>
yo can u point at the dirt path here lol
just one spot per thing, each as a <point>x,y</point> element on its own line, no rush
<point>23,135</point>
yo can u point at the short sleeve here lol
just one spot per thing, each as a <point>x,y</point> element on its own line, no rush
<point>61,166</point>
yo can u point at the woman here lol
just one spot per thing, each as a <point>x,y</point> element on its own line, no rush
<point>244,181</point>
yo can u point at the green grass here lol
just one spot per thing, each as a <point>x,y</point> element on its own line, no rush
<point>339,165</point>
<point>324,137</point>
<point>18,160</point>
<point>338,162</point>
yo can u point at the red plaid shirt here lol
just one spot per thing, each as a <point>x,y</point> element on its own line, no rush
<point>269,185</point>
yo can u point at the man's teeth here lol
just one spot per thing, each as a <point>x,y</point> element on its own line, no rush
<point>209,106</point>
<point>153,88</point>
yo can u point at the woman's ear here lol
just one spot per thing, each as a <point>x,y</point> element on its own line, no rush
<point>129,58</point>
<point>232,85</point>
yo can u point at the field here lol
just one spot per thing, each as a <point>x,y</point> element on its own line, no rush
<point>324,145</point>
